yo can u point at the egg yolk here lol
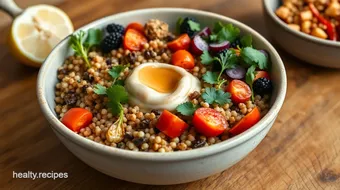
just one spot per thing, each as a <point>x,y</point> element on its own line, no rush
<point>162,80</point>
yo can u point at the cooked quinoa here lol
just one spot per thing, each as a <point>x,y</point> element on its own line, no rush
<point>76,89</point>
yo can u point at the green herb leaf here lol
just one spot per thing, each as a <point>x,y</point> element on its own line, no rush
<point>115,71</point>
<point>187,108</point>
<point>247,41</point>
<point>213,37</point>
<point>117,95</point>
<point>211,95</point>
<point>99,89</point>
<point>194,26</point>
<point>206,58</point>
<point>250,75</point>
<point>76,42</point>
<point>229,59</point>
<point>228,33</point>
<point>94,37</point>
<point>218,26</point>
<point>252,56</point>
<point>120,82</point>
<point>178,24</point>
<point>210,77</point>
<point>222,97</point>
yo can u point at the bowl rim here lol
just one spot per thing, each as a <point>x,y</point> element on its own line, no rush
<point>90,145</point>
<point>299,34</point>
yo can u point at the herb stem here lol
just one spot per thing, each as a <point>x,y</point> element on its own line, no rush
<point>220,83</point>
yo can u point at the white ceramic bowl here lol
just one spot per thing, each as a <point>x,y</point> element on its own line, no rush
<point>308,48</point>
<point>160,168</point>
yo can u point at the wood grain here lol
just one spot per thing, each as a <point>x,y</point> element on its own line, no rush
<point>300,152</point>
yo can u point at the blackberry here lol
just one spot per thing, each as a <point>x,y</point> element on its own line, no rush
<point>262,86</point>
<point>112,41</point>
<point>115,28</point>
<point>236,43</point>
<point>185,27</point>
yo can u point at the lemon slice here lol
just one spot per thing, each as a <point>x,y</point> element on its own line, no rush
<point>36,31</point>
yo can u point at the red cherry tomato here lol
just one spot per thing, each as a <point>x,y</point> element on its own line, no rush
<point>137,26</point>
<point>77,118</point>
<point>170,124</point>
<point>182,42</point>
<point>261,74</point>
<point>134,40</point>
<point>209,122</point>
<point>183,58</point>
<point>246,122</point>
<point>239,90</point>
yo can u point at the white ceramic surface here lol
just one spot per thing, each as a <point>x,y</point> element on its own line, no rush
<point>160,168</point>
<point>313,50</point>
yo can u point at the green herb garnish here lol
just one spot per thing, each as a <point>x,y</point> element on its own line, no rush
<point>210,77</point>
<point>114,72</point>
<point>187,108</point>
<point>194,26</point>
<point>178,25</point>
<point>99,89</point>
<point>81,46</point>
<point>212,95</point>
<point>224,32</point>
<point>251,56</point>
<point>227,60</point>
<point>247,41</point>
<point>117,96</point>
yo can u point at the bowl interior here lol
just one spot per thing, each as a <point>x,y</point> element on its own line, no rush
<point>48,74</point>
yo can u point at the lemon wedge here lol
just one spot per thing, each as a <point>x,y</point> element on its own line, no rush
<point>36,31</point>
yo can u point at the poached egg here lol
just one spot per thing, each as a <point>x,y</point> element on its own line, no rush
<point>160,86</point>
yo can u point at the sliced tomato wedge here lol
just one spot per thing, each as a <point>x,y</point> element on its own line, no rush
<point>209,122</point>
<point>183,58</point>
<point>261,74</point>
<point>170,124</point>
<point>239,90</point>
<point>246,122</point>
<point>137,26</point>
<point>77,118</point>
<point>134,40</point>
<point>182,42</point>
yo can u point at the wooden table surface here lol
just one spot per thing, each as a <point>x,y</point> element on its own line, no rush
<point>301,151</point>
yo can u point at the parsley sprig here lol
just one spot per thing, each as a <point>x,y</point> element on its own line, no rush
<point>82,45</point>
<point>117,96</point>
<point>227,60</point>
<point>218,96</point>
<point>187,108</point>
<point>224,32</point>
<point>253,59</point>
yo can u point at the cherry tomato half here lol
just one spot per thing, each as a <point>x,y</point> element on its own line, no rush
<point>184,59</point>
<point>170,124</point>
<point>182,42</point>
<point>77,118</point>
<point>137,26</point>
<point>246,122</point>
<point>209,122</point>
<point>261,74</point>
<point>239,90</point>
<point>134,40</point>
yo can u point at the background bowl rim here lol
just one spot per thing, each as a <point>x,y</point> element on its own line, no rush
<point>300,34</point>
<point>95,147</point>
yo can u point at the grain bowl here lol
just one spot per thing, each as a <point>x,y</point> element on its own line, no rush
<point>160,131</point>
